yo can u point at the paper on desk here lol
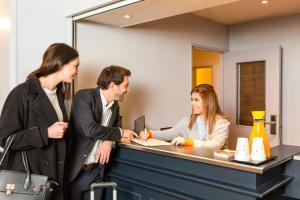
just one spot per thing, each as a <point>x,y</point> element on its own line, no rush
<point>150,142</point>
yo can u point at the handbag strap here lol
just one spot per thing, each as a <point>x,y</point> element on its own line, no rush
<point>9,142</point>
<point>27,182</point>
<point>7,146</point>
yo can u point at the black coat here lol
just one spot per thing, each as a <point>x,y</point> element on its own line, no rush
<point>86,128</point>
<point>28,113</point>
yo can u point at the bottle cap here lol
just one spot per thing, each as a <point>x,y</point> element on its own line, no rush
<point>258,114</point>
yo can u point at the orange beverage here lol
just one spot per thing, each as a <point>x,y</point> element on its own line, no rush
<point>258,130</point>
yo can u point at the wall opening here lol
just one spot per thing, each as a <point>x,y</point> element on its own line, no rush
<point>206,68</point>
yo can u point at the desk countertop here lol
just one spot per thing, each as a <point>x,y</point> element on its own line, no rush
<point>283,153</point>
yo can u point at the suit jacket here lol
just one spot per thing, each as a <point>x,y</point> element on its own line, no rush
<point>86,128</point>
<point>28,113</point>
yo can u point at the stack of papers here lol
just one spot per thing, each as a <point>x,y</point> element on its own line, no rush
<point>150,142</point>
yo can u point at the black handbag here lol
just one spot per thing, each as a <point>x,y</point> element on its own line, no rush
<point>23,186</point>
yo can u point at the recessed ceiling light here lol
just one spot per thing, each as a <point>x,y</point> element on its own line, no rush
<point>127,16</point>
<point>264,2</point>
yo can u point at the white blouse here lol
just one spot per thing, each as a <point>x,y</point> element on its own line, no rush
<point>54,101</point>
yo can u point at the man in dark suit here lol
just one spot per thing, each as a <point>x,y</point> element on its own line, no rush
<point>95,125</point>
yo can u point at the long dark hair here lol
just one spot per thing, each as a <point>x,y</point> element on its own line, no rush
<point>56,55</point>
<point>210,105</point>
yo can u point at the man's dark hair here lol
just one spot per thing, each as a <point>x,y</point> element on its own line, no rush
<point>113,74</point>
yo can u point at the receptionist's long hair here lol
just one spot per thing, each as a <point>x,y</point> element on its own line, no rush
<point>210,105</point>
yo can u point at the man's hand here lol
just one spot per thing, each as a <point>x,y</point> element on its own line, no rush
<point>129,134</point>
<point>103,152</point>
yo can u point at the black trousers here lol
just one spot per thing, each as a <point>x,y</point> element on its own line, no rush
<point>80,186</point>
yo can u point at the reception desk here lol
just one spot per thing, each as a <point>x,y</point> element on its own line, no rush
<point>167,172</point>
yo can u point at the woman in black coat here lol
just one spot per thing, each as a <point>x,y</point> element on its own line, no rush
<point>35,112</point>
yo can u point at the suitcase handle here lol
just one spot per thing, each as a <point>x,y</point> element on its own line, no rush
<point>103,185</point>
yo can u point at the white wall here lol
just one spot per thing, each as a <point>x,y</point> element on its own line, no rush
<point>39,23</point>
<point>159,56</point>
<point>284,31</point>
<point>4,51</point>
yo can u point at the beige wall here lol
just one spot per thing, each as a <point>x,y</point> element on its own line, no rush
<point>284,31</point>
<point>159,54</point>
<point>4,53</point>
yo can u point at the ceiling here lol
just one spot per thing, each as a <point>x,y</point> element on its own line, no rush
<point>227,12</point>
<point>250,10</point>
<point>150,10</point>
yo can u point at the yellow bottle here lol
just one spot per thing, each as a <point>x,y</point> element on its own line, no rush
<point>258,130</point>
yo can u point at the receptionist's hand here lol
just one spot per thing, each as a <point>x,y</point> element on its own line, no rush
<point>143,135</point>
<point>178,141</point>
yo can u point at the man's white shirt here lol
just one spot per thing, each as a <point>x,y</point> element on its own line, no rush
<point>106,116</point>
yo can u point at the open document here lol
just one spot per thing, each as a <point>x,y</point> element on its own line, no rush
<point>150,142</point>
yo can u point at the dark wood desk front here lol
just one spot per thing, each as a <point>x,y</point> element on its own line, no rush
<point>166,172</point>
